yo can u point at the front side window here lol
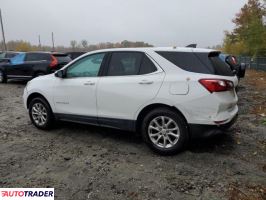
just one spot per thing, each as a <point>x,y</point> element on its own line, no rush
<point>18,59</point>
<point>129,63</point>
<point>88,66</point>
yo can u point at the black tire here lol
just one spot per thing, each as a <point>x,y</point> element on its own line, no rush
<point>179,121</point>
<point>49,114</point>
<point>3,78</point>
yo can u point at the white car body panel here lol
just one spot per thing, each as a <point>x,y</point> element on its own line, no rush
<point>122,97</point>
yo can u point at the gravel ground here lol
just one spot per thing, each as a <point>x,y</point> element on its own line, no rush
<point>86,162</point>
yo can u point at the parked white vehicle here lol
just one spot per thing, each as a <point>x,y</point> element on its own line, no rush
<point>166,94</point>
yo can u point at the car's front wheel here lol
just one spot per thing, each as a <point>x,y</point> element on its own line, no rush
<point>2,77</point>
<point>40,113</point>
<point>165,131</point>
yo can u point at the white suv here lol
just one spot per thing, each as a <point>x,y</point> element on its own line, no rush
<point>166,94</point>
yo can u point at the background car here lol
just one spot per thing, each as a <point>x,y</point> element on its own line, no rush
<point>73,55</point>
<point>32,64</point>
<point>239,69</point>
<point>6,55</point>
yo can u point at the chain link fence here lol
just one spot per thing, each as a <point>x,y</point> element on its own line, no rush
<point>258,63</point>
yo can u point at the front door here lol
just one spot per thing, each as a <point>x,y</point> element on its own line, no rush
<point>76,93</point>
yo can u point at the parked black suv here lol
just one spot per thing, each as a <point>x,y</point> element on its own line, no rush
<point>32,64</point>
<point>6,55</point>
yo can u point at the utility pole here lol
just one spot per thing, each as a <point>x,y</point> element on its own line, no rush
<point>39,37</point>
<point>3,34</point>
<point>53,40</point>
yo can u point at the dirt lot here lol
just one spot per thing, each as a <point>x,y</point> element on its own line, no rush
<point>85,162</point>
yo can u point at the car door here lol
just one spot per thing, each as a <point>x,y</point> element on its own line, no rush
<point>75,95</point>
<point>132,79</point>
<point>16,64</point>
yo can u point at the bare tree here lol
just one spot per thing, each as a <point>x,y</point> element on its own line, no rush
<point>73,44</point>
<point>84,44</point>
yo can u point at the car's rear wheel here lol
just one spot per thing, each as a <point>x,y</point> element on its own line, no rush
<point>40,113</point>
<point>2,77</point>
<point>165,131</point>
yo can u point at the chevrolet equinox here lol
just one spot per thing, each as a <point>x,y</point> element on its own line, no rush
<point>166,94</point>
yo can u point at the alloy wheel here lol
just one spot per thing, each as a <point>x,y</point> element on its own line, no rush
<point>39,114</point>
<point>163,132</point>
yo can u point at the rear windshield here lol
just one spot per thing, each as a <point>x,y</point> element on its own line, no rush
<point>205,63</point>
<point>62,58</point>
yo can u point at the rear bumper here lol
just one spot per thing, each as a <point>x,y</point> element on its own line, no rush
<point>199,130</point>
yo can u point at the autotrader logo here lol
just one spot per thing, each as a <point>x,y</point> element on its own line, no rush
<point>27,193</point>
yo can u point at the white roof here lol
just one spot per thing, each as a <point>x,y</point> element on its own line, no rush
<point>145,49</point>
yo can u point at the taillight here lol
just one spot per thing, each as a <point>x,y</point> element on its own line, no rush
<point>54,62</point>
<point>234,60</point>
<point>216,85</point>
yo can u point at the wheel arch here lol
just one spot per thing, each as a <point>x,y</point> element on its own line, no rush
<point>34,95</point>
<point>153,106</point>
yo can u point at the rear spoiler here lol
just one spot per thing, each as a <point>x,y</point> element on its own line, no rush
<point>192,45</point>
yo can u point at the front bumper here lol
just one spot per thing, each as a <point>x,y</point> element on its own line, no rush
<point>25,96</point>
<point>200,130</point>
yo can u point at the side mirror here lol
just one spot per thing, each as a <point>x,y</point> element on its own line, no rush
<point>60,74</point>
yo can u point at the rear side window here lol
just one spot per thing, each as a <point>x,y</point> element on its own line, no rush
<point>206,63</point>
<point>38,57</point>
<point>147,66</point>
<point>215,64</point>
<point>124,63</point>
<point>130,63</point>
<point>62,58</point>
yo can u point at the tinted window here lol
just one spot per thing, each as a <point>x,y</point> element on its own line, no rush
<point>37,57</point>
<point>147,66</point>
<point>18,59</point>
<point>62,58</point>
<point>2,55</point>
<point>206,63</point>
<point>11,55</point>
<point>124,63</point>
<point>88,66</point>
<point>213,62</point>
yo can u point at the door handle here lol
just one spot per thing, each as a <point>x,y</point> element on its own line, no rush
<point>143,82</point>
<point>89,83</point>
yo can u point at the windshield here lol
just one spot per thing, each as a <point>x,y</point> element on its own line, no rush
<point>2,55</point>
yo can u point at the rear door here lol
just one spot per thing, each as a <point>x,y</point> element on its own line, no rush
<point>16,64</point>
<point>131,80</point>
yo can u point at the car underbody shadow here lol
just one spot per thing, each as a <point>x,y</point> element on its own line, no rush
<point>221,143</point>
<point>102,132</point>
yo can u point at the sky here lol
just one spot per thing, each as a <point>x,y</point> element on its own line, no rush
<point>158,22</point>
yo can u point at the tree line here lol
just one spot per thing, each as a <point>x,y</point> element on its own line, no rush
<point>248,38</point>
<point>83,45</point>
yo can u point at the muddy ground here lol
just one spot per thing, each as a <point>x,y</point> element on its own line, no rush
<point>86,162</point>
